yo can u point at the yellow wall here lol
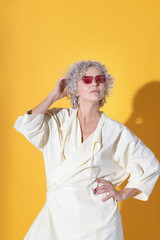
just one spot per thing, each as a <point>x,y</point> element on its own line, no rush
<point>38,40</point>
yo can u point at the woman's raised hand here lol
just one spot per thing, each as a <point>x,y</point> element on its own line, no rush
<point>59,89</point>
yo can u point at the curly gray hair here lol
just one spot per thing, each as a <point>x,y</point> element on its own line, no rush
<point>77,70</point>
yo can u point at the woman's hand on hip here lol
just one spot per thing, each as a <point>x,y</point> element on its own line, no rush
<point>109,189</point>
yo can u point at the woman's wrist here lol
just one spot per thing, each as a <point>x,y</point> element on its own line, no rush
<point>54,96</point>
<point>128,192</point>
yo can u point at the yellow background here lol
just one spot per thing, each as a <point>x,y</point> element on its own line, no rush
<point>39,39</point>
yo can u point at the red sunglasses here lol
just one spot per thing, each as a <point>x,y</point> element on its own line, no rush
<point>89,79</point>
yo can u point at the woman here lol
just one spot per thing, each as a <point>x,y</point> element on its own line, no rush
<point>87,155</point>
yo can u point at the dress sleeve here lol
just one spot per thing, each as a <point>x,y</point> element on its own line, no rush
<point>139,162</point>
<point>38,127</point>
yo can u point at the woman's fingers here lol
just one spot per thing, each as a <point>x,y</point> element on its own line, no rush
<point>60,87</point>
<point>104,190</point>
<point>107,197</point>
<point>106,185</point>
<point>103,187</point>
<point>109,189</point>
<point>101,180</point>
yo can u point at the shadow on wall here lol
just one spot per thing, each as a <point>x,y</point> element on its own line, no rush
<point>141,218</point>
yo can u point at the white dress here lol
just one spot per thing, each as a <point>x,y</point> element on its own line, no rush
<point>112,152</point>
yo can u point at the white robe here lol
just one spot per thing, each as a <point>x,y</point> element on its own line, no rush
<point>112,152</point>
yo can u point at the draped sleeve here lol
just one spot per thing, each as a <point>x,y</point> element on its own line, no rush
<point>38,127</point>
<point>139,162</point>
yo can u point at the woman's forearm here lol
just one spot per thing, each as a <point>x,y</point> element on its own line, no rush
<point>45,104</point>
<point>128,192</point>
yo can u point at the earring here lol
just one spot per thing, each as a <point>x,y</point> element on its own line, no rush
<point>76,100</point>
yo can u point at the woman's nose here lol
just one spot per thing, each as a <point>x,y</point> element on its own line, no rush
<point>94,82</point>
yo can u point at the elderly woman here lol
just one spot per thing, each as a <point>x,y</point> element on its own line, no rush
<point>87,155</point>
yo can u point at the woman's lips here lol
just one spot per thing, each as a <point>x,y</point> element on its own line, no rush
<point>94,91</point>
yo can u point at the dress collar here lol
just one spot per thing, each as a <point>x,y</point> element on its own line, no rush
<point>68,122</point>
<point>97,138</point>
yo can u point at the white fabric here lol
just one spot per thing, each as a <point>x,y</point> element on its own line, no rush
<point>72,211</point>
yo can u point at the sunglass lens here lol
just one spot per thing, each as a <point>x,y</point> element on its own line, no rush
<point>87,79</point>
<point>101,78</point>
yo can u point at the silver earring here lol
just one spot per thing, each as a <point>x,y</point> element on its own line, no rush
<point>76,100</point>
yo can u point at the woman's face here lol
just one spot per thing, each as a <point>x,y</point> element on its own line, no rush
<point>85,91</point>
